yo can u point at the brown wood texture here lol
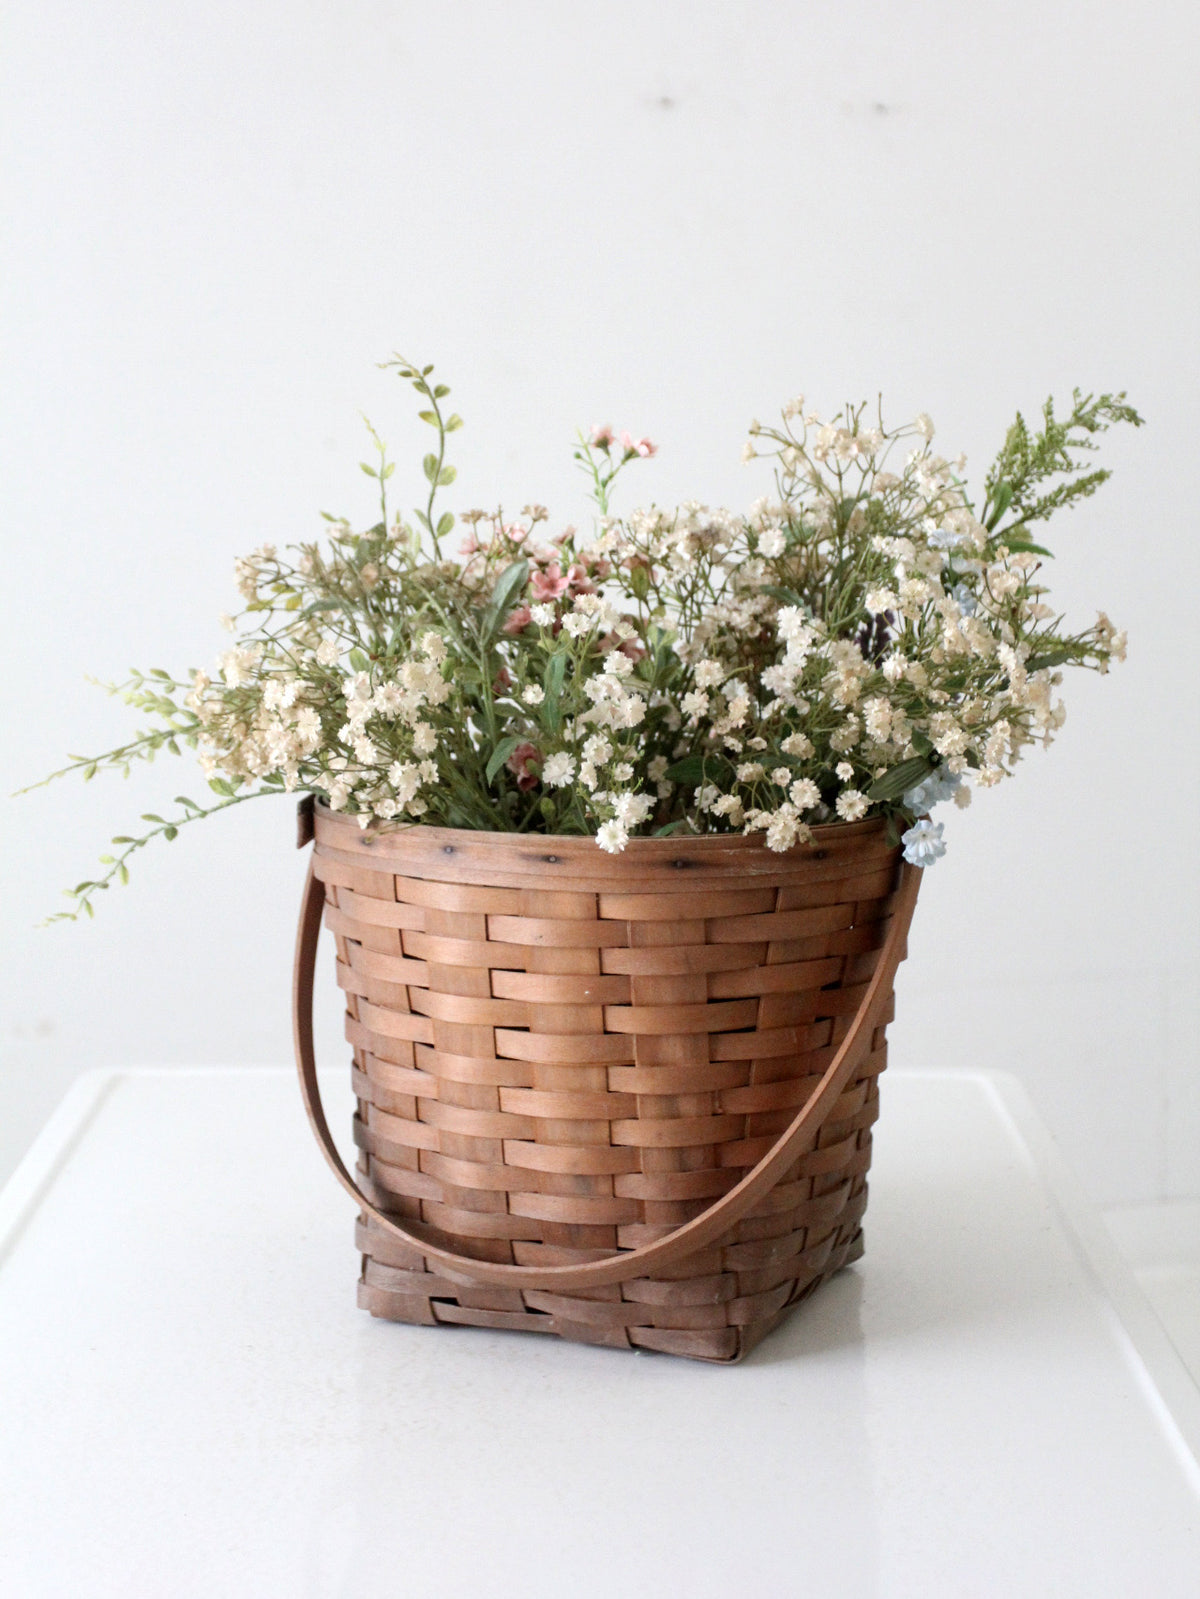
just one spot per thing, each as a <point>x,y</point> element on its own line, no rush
<point>561,1056</point>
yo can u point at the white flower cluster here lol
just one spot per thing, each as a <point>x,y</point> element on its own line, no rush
<point>865,643</point>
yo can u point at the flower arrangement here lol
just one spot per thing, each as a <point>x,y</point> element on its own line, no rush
<point>867,639</point>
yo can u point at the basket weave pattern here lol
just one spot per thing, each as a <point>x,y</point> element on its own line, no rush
<point>559,1055</point>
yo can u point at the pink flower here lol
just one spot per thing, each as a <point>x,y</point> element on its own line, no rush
<point>603,436</point>
<point>502,681</point>
<point>518,765</point>
<point>578,581</point>
<point>517,621</point>
<point>470,544</point>
<point>642,447</point>
<point>550,584</point>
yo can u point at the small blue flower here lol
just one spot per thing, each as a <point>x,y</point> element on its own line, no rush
<point>964,599</point>
<point>930,791</point>
<point>944,538</point>
<point>923,843</point>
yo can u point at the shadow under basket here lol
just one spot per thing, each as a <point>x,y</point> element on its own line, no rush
<point>621,1099</point>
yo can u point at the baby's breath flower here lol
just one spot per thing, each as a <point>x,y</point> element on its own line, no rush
<point>709,674</point>
<point>804,794</point>
<point>851,805</point>
<point>861,619</point>
<point>797,744</point>
<point>611,836</point>
<point>558,770</point>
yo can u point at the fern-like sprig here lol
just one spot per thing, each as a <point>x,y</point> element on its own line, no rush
<point>1027,459</point>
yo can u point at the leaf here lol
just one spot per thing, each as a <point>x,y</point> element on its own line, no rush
<point>369,470</point>
<point>89,772</point>
<point>500,754</point>
<point>1023,546</point>
<point>1038,663</point>
<point>122,839</point>
<point>446,476</point>
<point>388,470</point>
<point>445,523</point>
<point>429,416</point>
<point>430,467</point>
<point>553,683</point>
<point>901,778</point>
<point>293,604</point>
<point>921,744</point>
<point>221,786</point>
<point>669,828</point>
<point>689,771</point>
<point>171,834</point>
<point>1001,500</point>
<point>508,585</point>
<point>453,423</point>
<point>149,816</point>
<point>359,661</point>
<point>441,391</point>
<point>123,872</point>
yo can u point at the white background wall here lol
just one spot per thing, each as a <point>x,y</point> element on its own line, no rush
<point>673,216</point>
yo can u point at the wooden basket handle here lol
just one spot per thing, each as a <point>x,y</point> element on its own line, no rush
<point>692,1235</point>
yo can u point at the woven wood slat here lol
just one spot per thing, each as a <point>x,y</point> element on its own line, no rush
<point>562,1058</point>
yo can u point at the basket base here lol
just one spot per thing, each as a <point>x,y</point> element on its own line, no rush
<point>395,1293</point>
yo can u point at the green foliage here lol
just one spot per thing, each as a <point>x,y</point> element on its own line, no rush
<point>1027,460</point>
<point>682,671</point>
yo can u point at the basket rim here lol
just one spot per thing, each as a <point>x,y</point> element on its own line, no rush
<point>575,861</point>
<point>711,842</point>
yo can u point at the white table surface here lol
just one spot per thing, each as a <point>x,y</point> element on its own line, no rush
<point>190,1404</point>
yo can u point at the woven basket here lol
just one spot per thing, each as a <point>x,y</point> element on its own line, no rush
<point>623,1099</point>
